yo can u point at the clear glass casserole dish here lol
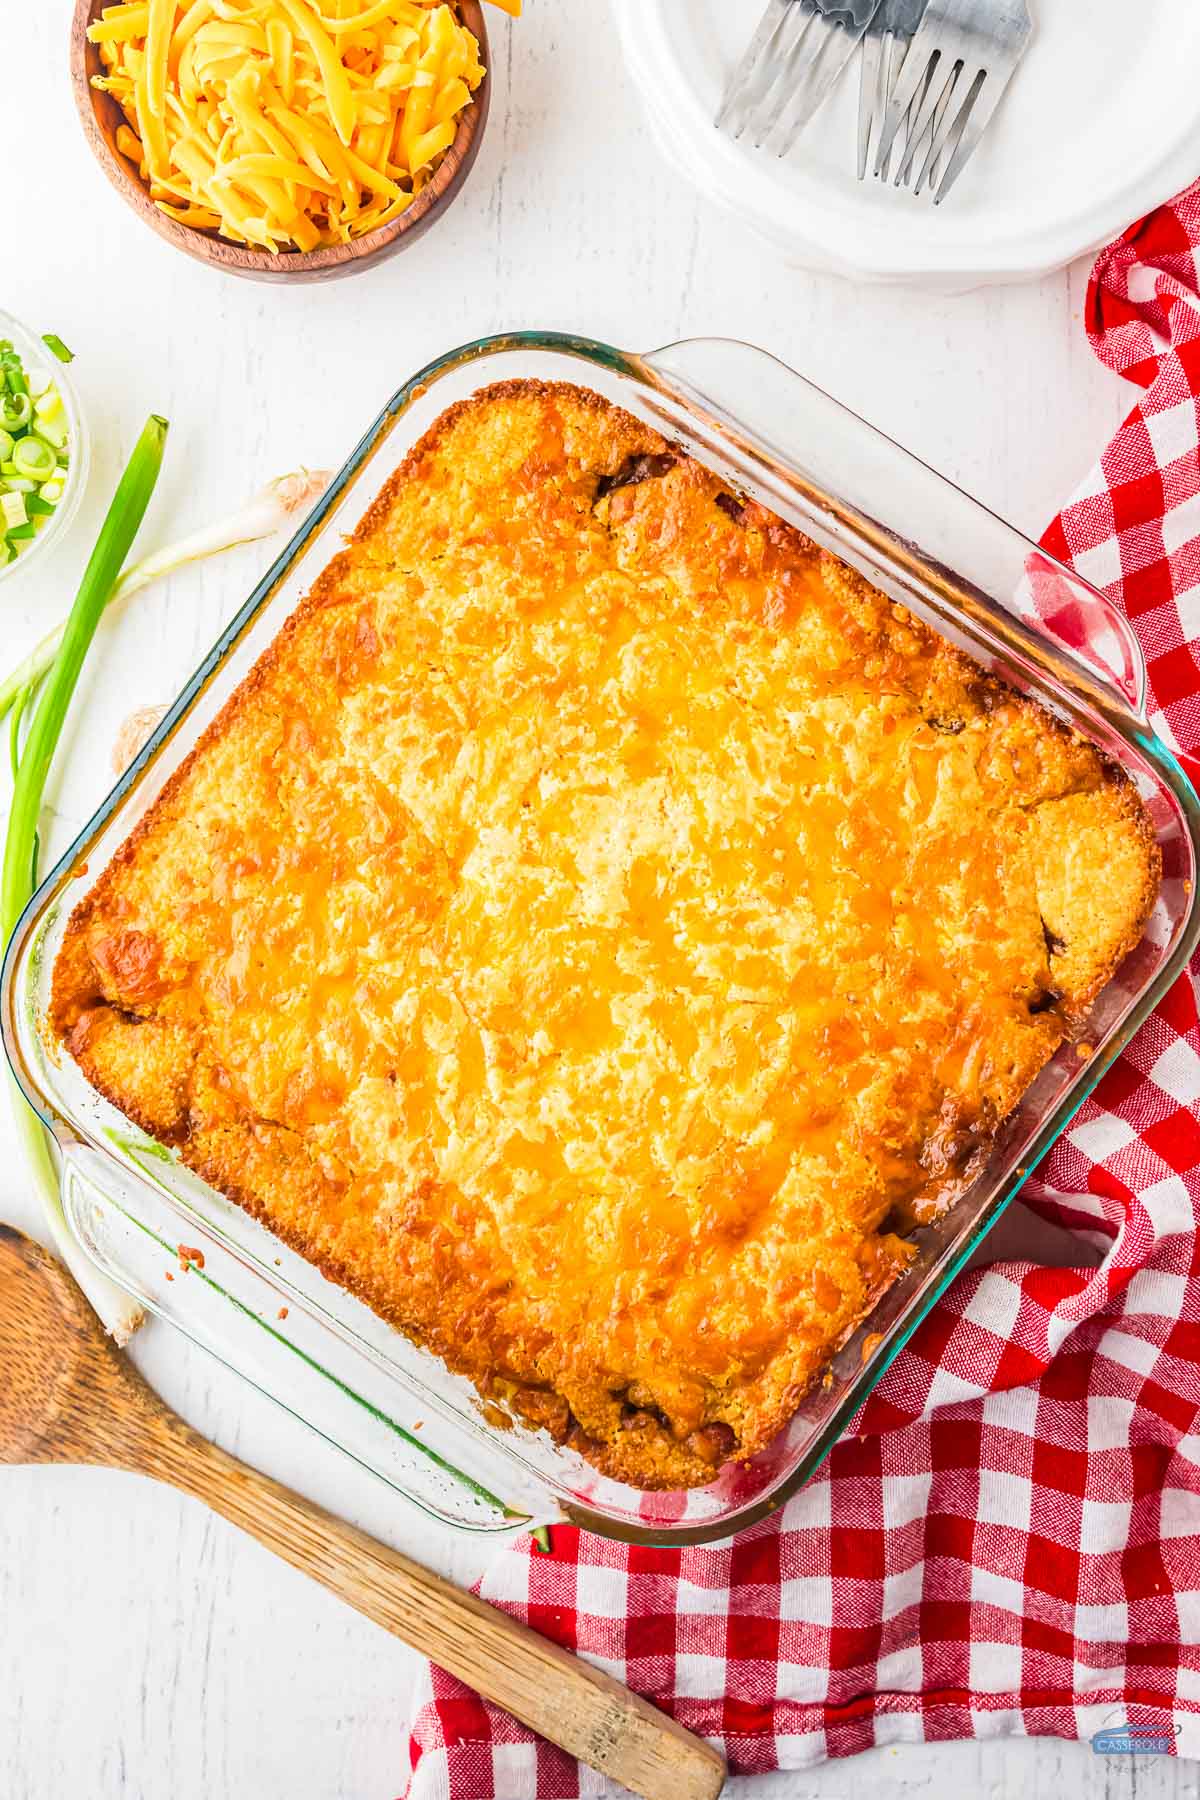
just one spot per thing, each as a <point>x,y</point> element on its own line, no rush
<point>314,1348</point>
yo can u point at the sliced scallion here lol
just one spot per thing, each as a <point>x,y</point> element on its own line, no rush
<point>16,410</point>
<point>35,448</point>
<point>14,371</point>
<point>49,406</point>
<point>34,458</point>
<point>52,432</point>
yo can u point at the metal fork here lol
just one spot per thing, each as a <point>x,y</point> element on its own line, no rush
<point>789,66</point>
<point>883,51</point>
<point>924,158</point>
<point>959,64</point>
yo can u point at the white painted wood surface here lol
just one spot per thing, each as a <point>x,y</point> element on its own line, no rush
<point>145,1650</point>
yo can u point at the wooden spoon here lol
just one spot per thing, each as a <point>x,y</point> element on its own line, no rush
<point>66,1395</point>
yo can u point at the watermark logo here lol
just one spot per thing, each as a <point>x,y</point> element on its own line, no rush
<point>1135,1737</point>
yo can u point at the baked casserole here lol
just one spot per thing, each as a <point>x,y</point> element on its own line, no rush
<point>601,929</point>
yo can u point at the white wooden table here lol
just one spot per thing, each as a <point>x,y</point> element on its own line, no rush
<point>146,1650</point>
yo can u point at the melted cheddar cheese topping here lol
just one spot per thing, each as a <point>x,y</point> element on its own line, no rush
<point>600,928</point>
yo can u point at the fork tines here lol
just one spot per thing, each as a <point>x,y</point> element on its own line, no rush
<point>954,76</point>
<point>891,32</point>
<point>798,50</point>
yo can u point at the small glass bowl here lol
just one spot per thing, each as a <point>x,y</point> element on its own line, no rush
<point>34,352</point>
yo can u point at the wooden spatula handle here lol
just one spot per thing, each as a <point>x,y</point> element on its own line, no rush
<point>547,1688</point>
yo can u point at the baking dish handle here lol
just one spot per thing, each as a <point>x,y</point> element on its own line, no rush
<point>778,416</point>
<point>231,1306</point>
<point>1087,623</point>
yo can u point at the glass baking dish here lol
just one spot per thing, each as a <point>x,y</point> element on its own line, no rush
<point>314,1348</point>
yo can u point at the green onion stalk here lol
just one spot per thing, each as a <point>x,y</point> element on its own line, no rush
<point>18,874</point>
<point>275,507</point>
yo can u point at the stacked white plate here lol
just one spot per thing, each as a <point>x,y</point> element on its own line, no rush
<point>1101,123</point>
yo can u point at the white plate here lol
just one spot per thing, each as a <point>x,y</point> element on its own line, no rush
<point>1102,122</point>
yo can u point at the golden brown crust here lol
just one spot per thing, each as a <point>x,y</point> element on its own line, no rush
<point>598,927</point>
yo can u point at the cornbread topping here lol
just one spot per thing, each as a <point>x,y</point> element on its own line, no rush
<point>600,928</point>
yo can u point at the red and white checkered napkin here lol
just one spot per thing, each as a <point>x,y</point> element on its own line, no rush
<point>1009,1538</point>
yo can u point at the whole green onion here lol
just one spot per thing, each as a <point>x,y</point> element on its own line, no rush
<point>23,702</point>
<point>99,578</point>
<point>33,765</point>
<point>276,507</point>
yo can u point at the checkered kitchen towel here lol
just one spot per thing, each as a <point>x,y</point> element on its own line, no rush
<point>1009,1538</point>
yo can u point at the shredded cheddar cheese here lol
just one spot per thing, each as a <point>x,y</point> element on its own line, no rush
<point>287,124</point>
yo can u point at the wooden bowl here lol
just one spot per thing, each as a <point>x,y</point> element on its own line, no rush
<point>101,115</point>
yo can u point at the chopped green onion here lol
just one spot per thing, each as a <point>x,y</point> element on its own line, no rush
<point>14,372</point>
<point>49,406</point>
<point>34,458</point>
<point>34,449</point>
<point>52,432</point>
<point>53,342</point>
<point>16,410</point>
